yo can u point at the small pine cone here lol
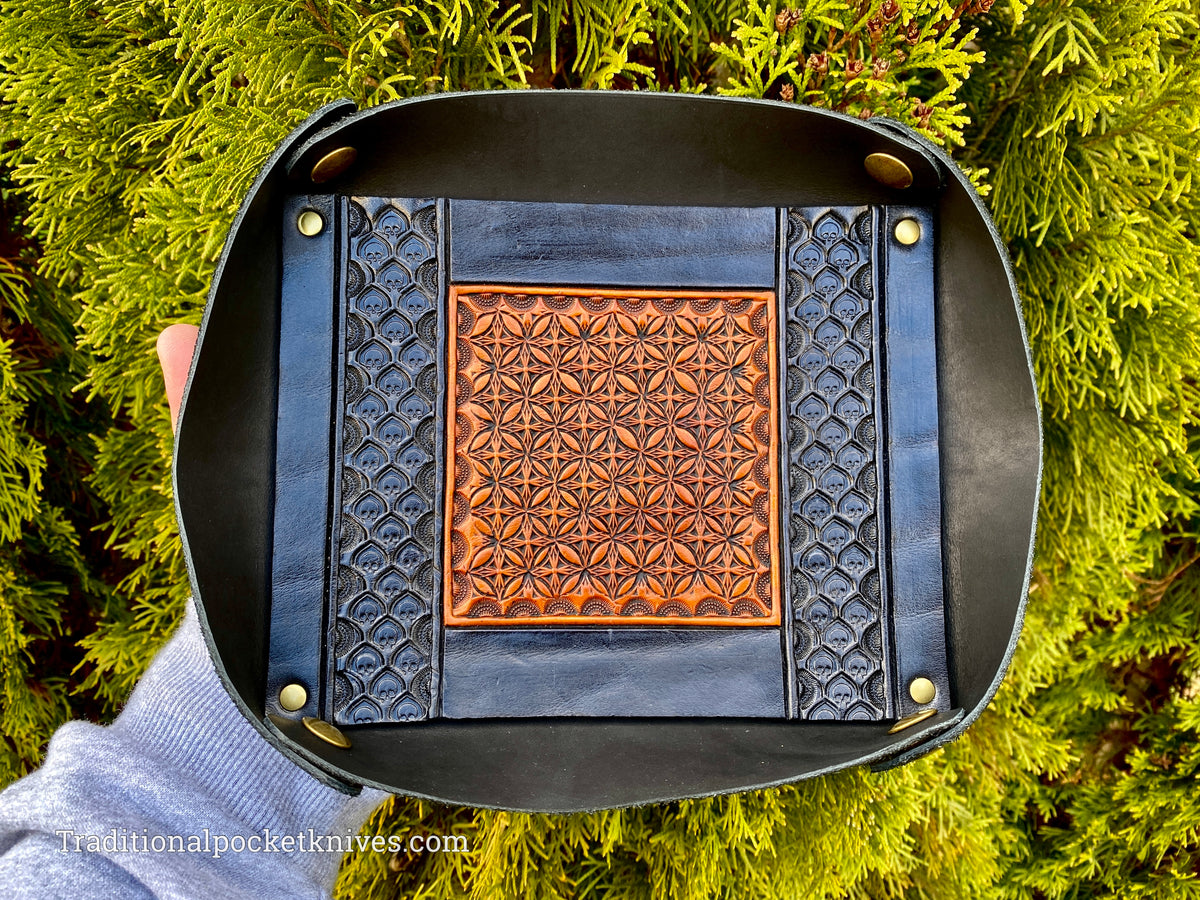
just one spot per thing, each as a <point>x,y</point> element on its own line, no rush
<point>890,11</point>
<point>788,93</point>
<point>879,68</point>
<point>864,114</point>
<point>982,6</point>
<point>785,19</point>
<point>818,62</point>
<point>923,113</point>
<point>875,28</point>
<point>912,33</point>
<point>854,68</point>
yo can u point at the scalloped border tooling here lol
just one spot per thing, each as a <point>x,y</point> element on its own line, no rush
<point>386,578</point>
<point>838,605</point>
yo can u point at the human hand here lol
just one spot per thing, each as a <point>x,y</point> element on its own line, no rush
<point>180,760</point>
<point>175,346</point>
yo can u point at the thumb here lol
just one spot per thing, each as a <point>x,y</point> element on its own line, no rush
<point>175,347</point>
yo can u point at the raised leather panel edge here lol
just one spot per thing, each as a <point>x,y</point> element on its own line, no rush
<point>505,145</point>
<point>573,767</point>
<point>991,447</point>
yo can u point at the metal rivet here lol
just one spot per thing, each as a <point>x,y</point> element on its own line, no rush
<point>908,231</point>
<point>910,721</point>
<point>333,164</point>
<point>887,169</point>
<point>922,690</point>
<point>292,697</point>
<point>310,223</point>
<point>326,732</point>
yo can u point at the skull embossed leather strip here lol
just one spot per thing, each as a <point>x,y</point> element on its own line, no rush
<point>836,548</point>
<point>615,457</point>
<point>384,581</point>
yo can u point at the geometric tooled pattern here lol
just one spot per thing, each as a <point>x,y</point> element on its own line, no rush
<point>387,579</point>
<point>838,605</point>
<point>615,457</point>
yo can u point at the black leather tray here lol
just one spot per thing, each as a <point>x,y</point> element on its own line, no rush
<point>490,157</point>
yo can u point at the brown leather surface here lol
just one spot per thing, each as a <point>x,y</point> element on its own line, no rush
<point>616,457</point>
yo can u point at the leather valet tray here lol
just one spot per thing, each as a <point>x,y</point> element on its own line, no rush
<point>553,450</point>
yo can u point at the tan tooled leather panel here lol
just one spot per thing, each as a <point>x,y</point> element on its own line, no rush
<point>615,457</point>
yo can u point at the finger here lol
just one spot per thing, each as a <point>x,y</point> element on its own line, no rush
<point>175,347</point>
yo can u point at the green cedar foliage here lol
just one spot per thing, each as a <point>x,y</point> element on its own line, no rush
<point>48,581</point>
<point>1092,138</point>
<point>135,128</point>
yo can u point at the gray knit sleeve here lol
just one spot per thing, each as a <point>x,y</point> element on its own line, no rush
<point>180,770</point>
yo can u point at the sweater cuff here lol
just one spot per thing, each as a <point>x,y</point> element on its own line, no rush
<point>181,712</point>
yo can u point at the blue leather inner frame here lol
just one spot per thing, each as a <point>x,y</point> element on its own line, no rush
<point>914,499</point>
<point>302,468</point>
<point>594,245</point>
<point>627,671</point>
<point>612,672</point>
